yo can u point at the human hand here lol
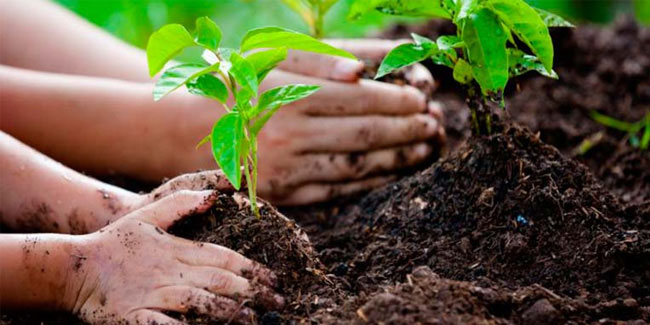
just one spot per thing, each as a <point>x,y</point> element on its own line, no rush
<point>132,270</point>
<point>352,135</point>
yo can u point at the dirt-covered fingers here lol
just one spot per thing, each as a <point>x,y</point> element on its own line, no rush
<point>221,257</point>
<point>228,284</point>
<point>206,180</point>
<point>420,77</point>
<point>320,192</point>
<point>187,298</point>
<point>337,167</point>
<point>364,133</point>
<point>323,66</point>
<point>150,317</point>
<point>165,212</point>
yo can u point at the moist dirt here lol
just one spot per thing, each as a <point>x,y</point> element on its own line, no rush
<point>514,228</point>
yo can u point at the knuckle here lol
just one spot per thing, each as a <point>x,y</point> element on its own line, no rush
<point>220,282</point>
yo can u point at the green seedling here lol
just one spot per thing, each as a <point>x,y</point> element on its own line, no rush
<point>638,132</point>
<point>483,54</point>
<point>312,12</point>
<point>233,80</point>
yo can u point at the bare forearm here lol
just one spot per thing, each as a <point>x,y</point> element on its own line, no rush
<point>36,271</point>
<point>41,195</point>
<point>100,126</point>
<point>65,43</point>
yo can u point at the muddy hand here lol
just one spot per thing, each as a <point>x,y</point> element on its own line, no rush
<point>206,180</point>
<point>341,69</point>
<point>132,271</point>
<point>346,138</point>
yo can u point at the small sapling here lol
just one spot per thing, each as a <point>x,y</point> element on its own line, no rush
<point>483,54</point>
<point>233,81</point>
<point>312,12</point>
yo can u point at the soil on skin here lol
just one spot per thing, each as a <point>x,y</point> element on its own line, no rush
<point>275,241</point>
<point>506,230</point>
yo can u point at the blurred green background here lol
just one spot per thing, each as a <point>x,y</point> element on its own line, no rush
<point>135,20</point>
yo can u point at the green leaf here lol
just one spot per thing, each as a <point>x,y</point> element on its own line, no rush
<point>412,8</point>
<point>244,73</point>
<point>553,20</point>
<point>207,34</point>
<point>526,23</point>
<point>464,8</point>
<point>166,43</point>
<point>405,55</point>
<point>520,63</point>
<point>227,136</point>
<point>209,86</point>
<point>448,42</point>
<point>265,61</point>
<point>284,95</point>
<point>275,37</point>
<point>463,72</point>
<point>243,99</point>
<point>275,98</point>
<point>419,39</point>
<point>178,76</point>
<point>486,50</point>
<point>645,139</point>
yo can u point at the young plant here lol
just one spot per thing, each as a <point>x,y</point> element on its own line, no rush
<point>637,132</point>
<point>312,12</point>
<point>236,74</point>
<point>483,54</point>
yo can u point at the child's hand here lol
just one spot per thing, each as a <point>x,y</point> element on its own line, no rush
<point>132,270</point>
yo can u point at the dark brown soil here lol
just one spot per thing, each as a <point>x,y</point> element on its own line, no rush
<point>601,69</point>
<point>505,230</point>
<point>274,241</point>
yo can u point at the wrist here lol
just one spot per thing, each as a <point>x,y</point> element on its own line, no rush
<point>38,271</point>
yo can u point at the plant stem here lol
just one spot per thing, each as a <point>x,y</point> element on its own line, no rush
<point>252,194</point>
<point>317,28</point>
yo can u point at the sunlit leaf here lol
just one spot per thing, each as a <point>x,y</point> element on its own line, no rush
<point>265,61</point>
<point>209,86</point>
<point>165,44</point>
<point>405,55</point>
<point>178,76</point>
<point>207,34</point>
<point>227,135</point>
<point>520,63</point>
<point>413,8</point>
<point>244,73</point>
<point>275,37</point>
<point>527,24</point>
<point>553,20</point>
<point>486,50</point>
<point>275,98</point>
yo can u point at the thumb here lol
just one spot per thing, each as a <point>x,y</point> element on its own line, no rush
<point>176,206</point>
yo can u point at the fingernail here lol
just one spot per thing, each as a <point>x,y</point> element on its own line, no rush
<point>347,70</point>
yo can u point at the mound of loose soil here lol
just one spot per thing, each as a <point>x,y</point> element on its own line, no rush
<point>604,69</point>
<point>274,241</point>
<point>506,210</point>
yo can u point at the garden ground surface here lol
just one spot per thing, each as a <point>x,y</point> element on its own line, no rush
<point>512,228</point>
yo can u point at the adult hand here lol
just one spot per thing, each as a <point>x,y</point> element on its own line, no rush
<point>132,270</point>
